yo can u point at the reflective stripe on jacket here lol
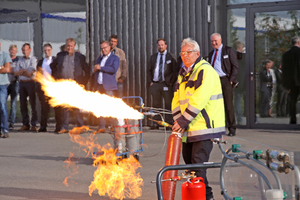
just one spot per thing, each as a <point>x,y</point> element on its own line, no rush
<point>198,102</point>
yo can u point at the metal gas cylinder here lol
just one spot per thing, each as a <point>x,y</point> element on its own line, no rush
<point>172,158</point>
<point>193,189</point>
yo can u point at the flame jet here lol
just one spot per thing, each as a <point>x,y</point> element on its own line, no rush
<point>68,93</point>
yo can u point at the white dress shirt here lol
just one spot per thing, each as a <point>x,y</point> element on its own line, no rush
<point>102,63</point>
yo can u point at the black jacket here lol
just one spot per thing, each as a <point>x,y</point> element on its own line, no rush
<point>291,67</point>
<point>230,65</point>
<point>81,71</point>
<point>170,70</point>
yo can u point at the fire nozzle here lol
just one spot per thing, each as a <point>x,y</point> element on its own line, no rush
<point>165,124</point>
<point>179,178</point>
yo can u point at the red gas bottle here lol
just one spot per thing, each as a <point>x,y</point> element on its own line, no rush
<point>193,189</point>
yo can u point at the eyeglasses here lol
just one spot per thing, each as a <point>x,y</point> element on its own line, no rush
<point>104,47</point>
<point>183,53</point>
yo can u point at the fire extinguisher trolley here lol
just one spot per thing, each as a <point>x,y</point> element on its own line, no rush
<point>274,161</point>
<point>130,128</point>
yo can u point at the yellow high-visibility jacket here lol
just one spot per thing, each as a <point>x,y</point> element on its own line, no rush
<point>198,102</point>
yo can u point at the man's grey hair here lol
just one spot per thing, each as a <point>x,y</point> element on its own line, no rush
<point>295,40</point>
<point>190,42</point>
<point>218,34</point>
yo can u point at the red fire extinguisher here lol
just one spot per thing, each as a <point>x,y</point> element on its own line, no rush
<point>193,189</point>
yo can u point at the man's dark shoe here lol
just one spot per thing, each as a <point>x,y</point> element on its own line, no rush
<point>63,131</point>
<point>231,133</point>
<point>293,122</point>
<point>56,130</point>
<point>100,130</point>
<point>11,127</point>
<point>5,135</point>
<point>33,128</point>
<point>24,128</point>
<point>154,127</point>
<point>42,130</point>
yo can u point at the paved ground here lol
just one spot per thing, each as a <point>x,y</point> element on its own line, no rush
<point>32,164</point>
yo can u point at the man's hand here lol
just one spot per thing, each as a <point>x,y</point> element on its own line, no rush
<point>176,128</point>
<point>120,80</point>
<point>27,73</point>
<point>19,73</point>
<point>96,68</point>
<point>151,84</point>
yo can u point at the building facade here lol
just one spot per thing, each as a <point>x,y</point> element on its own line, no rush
<point>264,27</point>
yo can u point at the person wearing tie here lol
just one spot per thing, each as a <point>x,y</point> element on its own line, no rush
<point>105,82</point>
<point>223,60</point>
<point>162,74</point>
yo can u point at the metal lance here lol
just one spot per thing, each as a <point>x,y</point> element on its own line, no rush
<point>172,158</point>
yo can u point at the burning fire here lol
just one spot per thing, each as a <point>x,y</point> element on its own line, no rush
<point>70,94</point>
<point>117,178</point>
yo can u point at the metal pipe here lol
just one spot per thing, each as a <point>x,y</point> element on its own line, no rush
<point>236,159</point>
<point>261,163</point>
<point>180,167</point>
<point>296,169</point>
<point>274,174</point>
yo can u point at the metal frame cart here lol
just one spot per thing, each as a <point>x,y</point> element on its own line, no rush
<point>136,152</point>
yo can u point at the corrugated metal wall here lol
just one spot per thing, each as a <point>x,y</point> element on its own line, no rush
<point>138,24</point>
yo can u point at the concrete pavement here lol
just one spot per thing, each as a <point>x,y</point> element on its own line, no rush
<point>32,164</point>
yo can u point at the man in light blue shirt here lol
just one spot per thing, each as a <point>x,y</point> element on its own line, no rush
<point>25,69</point>
<point>5,61</point>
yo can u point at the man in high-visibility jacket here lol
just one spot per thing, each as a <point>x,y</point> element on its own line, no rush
<point>198,108</point>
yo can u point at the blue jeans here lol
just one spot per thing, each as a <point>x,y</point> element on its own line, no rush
<point>13,90</point>
<point>238,107</point>
<point>66,114</point>
<point>3,109</point>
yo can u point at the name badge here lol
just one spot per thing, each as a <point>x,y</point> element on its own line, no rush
<point>225,56</point>
<point>168,61</point>
<point>165,89</point>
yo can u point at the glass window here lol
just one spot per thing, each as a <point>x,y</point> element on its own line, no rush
<point>236,37</point>
<point>250,1</point>
<point>273,31</point>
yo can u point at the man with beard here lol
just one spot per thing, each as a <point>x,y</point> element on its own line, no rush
<point>162,73</point>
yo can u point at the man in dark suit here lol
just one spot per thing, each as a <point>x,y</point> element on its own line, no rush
<point>240,90</point>
<point>223,59</point>
<point>69,65</point>
<point>291,75</point>
<point>265,88</point>
<point>105,70</point>
<point>43,67</point>
<point>282,94</point>
<point>162,74</point>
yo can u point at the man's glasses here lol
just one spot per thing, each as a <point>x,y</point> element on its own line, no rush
<point>104,47</point>
<point>184,53</point>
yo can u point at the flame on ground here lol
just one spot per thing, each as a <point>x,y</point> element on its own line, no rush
<point>68,93</point>
<point>73,168</point>
<point>118,178</point>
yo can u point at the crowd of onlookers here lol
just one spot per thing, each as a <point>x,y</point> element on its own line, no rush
<point>17,77</point>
